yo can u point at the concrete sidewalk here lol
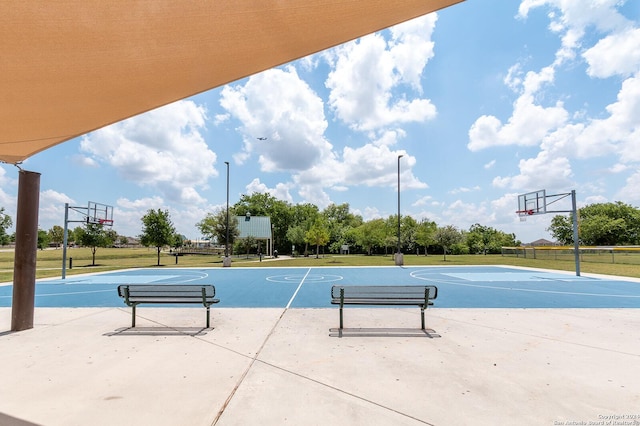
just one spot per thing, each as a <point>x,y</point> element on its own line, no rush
<point>84,366</point>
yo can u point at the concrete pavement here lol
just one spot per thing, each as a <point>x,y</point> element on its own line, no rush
<point>81,366</point>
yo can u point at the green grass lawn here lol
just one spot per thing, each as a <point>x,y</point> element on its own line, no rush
<point>49,262</point>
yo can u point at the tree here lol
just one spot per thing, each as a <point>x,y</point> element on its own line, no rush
<point>318,234</point>
<point>340,221</point>
<point>446,237</point>
<point>157,230</point>
<point>601,224</point>
<point>75,235</point>
<point>302,218</point>
<point>43,239</point>
<point>178,240</point>
<point>248,243</point>
<point>561,229</point>
<point>214,226</point>
<point>371,234</point>
<point>56,235</point>
<point>408,229</point>
<point>5,223</point>
<point>111,235</point>
<point>94,236</point>
<point>296,235</point>
<point>425,233</point>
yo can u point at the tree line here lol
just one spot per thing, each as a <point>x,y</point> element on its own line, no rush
<point>600,224</point>
<point>311,230</point>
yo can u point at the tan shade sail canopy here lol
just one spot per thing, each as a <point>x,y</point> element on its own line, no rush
<point>68,67</point>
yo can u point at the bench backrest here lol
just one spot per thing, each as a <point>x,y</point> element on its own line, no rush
<point>166,291</point>
<point>399,292</point>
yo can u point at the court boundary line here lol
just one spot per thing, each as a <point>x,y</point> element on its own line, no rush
<point>494,287</point>
<point>295,293</point>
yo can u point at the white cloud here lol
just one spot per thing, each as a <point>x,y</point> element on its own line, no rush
<point>630,193</point>
<point>52,208</point>
<point>422,201</point>
<point>562,137</point>
<point>369,213</point>
<point>577,14</point>
<point>542,171</point>
<point>279,105</point>
<point>142,204</point>
<point>162,149</point>
<point>464,189</point>
<point>281,191</point>
<point>127,215</point>
<point>616,134</point>
<point>368,72</point>
<point>295,141</point>
<point>616,54</point>
<point>463,215</point>
<point>618,168</point>
<point>221,118</point>
<point>595,199</point>
<point>530,122</point>
<point>8,201</point>
<point>527,126</point>
<point>83,160</point>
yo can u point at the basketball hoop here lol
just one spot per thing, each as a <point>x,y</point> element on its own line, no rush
<point>105,222</point>
<point>523,214</point>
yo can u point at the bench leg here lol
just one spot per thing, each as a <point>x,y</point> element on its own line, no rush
<point>133,316</point>
<point>207,317</point>
<point>422,315</point>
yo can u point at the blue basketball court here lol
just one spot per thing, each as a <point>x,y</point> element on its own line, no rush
<point>308,287</point>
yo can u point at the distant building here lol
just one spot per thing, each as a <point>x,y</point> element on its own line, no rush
<point>541,243</point>
<point>258,227</point>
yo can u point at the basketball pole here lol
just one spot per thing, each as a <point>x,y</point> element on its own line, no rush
<point>525,208</point>
<point>65,239</point>
<point>576,242</point>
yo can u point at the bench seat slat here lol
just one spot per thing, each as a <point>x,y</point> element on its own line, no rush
<point>369,301</point>
<point>172,299</point>
<point>384,291</point>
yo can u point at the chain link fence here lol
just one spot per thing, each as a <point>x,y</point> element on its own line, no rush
<point>629,255</point>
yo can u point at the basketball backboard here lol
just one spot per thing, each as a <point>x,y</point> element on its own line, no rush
<point>101,214</point>
<point>532,203</point>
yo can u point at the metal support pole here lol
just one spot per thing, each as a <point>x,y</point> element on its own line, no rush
<point>65,240</point>
<point>576,241</point>
<point>227,260</point>
<point>26,251</point>
<point>399,259</point>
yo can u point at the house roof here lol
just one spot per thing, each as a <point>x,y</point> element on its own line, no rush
<point>258,227</point>
<point>68,68</point>
<point>542,242</point>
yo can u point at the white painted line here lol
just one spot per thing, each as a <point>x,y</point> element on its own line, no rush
<point>298,289</point>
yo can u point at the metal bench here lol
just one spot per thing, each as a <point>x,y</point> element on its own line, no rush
<point>413,295</point>
<point>136,294</point>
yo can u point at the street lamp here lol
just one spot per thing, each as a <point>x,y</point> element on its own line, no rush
<point>399,260</point>
<point>227,260</point>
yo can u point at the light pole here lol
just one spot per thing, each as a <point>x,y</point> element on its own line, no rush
<point>399,259</point>
<point>227,259</point>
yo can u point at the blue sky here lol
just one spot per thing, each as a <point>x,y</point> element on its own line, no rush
<point>484,100</point>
